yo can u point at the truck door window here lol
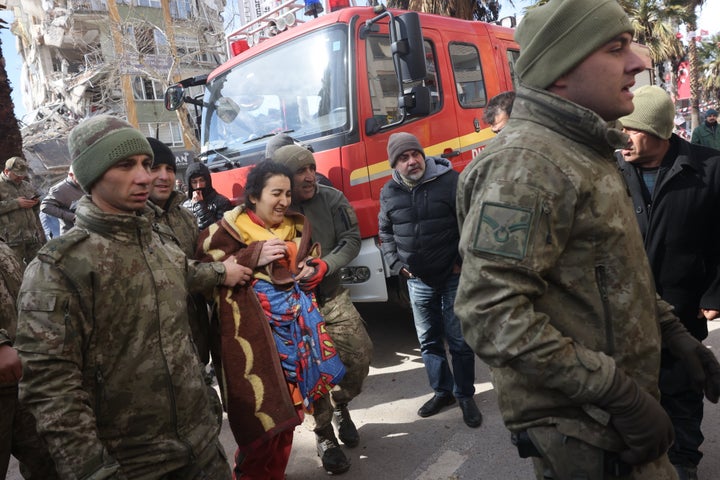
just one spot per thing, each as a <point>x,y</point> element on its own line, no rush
<point>469,80</point>
<point>512,56</point>
<point>383,82</point>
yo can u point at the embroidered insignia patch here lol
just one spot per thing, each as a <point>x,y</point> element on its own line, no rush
<point>503,230</point>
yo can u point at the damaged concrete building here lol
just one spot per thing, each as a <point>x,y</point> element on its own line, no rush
<point>85,57</point>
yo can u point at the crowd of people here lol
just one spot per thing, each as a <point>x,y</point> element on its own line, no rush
<point>573,255</point>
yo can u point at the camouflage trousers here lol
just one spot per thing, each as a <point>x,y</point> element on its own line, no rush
<point>347,330</point>
<point>567,458</point>
<point>18,437</point>
<point>209,464</point>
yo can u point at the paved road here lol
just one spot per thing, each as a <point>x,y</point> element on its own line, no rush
<point>396,444</point>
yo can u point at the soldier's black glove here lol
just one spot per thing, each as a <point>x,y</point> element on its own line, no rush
<point>699,362</point>
<point>639,419</point>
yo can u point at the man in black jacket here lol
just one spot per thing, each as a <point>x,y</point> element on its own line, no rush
<point>203,200</point>
<point>675,188</point>
<point>419,240</point>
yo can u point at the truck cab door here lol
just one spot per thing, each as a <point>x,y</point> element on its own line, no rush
<point>378,102</point>
<point>479,69</point>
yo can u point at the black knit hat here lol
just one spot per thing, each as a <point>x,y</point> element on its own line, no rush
<point>162,153</point>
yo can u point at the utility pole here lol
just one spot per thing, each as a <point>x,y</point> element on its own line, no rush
<point>125,77</point>
<point>188,132</point>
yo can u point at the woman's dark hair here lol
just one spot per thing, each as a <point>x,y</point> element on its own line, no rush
<point>258,177</point>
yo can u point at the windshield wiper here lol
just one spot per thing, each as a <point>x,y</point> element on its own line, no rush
<point>210,151</point>
<point>266,135</point>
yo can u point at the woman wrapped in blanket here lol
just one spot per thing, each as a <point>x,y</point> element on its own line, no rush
<point>276,357</point>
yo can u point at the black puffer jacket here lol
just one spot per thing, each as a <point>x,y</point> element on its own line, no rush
<point>213,205</point>
<point>418,226</point>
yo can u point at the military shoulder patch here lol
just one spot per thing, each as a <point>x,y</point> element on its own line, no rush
<point>503,230</point>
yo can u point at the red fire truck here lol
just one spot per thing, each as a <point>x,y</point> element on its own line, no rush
<point>343,83</point>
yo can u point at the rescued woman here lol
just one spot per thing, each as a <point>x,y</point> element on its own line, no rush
<point>276,358</point>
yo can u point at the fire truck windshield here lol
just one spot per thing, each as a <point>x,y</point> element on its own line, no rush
<point>300,86</point>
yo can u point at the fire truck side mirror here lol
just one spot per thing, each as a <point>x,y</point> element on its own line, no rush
<point>409,47</point>
<point>417,102</point>
<point>174,97</point>
<point>372,126</point>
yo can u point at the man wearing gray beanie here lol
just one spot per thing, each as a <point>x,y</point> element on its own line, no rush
<point>676,181</point>
<point>103,331</point>
<point>556,293</point>
<point>419,242</point>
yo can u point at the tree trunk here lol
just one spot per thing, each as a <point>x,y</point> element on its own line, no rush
<point>10,140</point>
<point>694,74</point>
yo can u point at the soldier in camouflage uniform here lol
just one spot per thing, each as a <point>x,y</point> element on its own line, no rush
<point>18,435</point>
<point>19,211</point>
<point>337,231</point>
<point>167,204</point>
<point>109,370</point>
<point>556,293</point>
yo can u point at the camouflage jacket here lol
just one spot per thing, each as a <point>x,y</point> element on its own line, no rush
<point>18,225</point>
<point>556,291</point>
<point>10,279</point>
<point>184,229</point>
<point>109,370</point>
<point>181,221</point>
<point>336,230</point>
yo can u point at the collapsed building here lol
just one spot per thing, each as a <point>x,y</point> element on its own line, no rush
<point>86,57</point>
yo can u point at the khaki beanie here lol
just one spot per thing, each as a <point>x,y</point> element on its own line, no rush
<point>276,142</point>
<point>401,142</point>
<point>294,157</point>
<point>654,112</point>
<point>17,165</point>
<point>557,36</point>
<point>99,143</point>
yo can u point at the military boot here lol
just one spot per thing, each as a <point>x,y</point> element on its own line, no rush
<point>346,428</point>
<point>332,457</point>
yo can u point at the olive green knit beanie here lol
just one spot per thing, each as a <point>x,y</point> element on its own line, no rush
<point>654,112</point>
<point>99,143</point>
<point>557,36</point>
<point>294,157</point>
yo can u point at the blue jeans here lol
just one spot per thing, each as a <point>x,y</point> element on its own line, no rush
<point>435,324</point>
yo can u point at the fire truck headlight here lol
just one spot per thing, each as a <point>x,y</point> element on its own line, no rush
<point>354,274</point>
